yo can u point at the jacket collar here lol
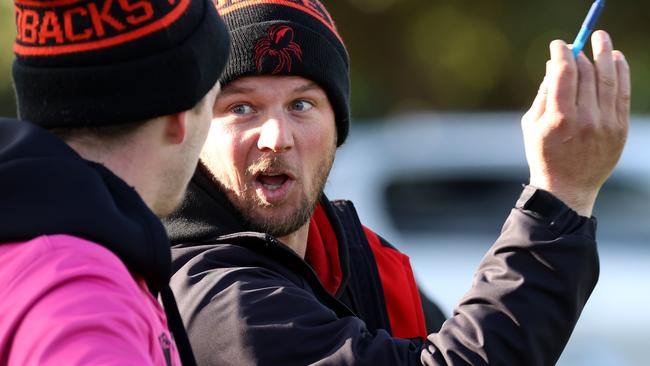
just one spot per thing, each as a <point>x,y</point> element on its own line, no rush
<point>206,215</point>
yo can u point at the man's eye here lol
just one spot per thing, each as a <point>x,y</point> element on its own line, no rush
<point>301,106</point>
<point>242,109</point>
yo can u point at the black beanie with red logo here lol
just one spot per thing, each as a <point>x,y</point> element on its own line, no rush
<point>289,37</point>
<point>84,63</point>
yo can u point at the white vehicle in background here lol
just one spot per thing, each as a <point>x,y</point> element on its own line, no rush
<point>439,186</point>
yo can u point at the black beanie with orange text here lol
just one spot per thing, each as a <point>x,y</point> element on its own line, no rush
<point>87,63</point>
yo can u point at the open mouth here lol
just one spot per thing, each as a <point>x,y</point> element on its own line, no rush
<point>274,186</point>
<point>272,181</point>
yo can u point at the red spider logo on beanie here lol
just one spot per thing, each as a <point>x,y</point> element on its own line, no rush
<point>278,43</point>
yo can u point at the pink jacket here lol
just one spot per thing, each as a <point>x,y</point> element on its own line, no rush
<point>68,301</point>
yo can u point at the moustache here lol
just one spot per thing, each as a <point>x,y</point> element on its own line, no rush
<point>270,164</point>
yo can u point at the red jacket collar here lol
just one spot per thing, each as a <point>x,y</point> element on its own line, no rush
<point>323,251</point>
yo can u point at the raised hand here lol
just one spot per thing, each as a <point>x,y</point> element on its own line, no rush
<point>575,131</point>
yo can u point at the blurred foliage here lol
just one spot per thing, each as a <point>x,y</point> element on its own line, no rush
<point>7,35</point>
<point>473,55</point>
<point>448,54</point>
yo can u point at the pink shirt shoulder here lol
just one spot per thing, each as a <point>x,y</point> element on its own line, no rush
<point>69,301</point>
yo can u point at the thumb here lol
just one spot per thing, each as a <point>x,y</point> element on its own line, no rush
<point>539,104</point>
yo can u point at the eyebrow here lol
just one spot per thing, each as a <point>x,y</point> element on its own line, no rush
<point>235,90</point>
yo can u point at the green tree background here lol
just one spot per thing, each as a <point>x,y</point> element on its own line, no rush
<point>471,55</point>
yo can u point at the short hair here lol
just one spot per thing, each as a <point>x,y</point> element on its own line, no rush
<point>106,134</point>
<point>109,134</point>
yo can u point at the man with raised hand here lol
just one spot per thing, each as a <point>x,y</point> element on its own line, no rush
<point>116,100</point>
<point>261,274</point>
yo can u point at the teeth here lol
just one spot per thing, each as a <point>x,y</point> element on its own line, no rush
<point>271,186</point>
<point>272,181</point>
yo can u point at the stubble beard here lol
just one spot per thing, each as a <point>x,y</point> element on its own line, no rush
<point>248,202</point>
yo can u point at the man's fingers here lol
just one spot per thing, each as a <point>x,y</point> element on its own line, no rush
<point>605,70</point>
<point>562,81</point>
<point>623,96</point>
<point>587,94</point>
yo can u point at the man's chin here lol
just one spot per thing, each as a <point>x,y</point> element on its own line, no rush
<point>167,208</point>
<point>279,224</point>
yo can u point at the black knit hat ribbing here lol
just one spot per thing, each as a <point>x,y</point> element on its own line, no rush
<point>289,37</point>
<point>103,62</point>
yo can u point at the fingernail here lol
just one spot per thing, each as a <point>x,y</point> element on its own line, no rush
<point>597,36</point>
<point>604,37</point>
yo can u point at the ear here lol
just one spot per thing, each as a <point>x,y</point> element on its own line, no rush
<point>176,128</point>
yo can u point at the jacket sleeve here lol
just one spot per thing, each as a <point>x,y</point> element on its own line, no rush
<point>528,292</point>
<point>78,305</point>
<point>526,298</point>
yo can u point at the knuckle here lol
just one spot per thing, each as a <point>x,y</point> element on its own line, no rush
<point>560,118</point>
<point>588,120</point>
<point>620,134</point>
<point>607,81</point>
<point>625,97</point>
<point>623,132</point>
<point>617,129</point>
<point>587,128</point>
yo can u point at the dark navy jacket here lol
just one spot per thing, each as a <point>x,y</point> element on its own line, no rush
<point>247,299</point>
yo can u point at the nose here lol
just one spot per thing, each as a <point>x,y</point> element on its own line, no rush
<point>275,135</point>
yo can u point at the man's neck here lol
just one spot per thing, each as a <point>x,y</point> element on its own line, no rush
<point>122,162</point>
<point>297,240</point>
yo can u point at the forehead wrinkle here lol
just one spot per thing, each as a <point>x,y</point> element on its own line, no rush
<point>306,87</point>
<point>242,88</point>
<point>233,89</point>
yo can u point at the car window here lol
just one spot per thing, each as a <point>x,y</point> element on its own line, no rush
<point>478,205</point>
<point>453,205</point>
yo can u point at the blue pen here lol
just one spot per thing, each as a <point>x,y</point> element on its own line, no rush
<point>587,26</point>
